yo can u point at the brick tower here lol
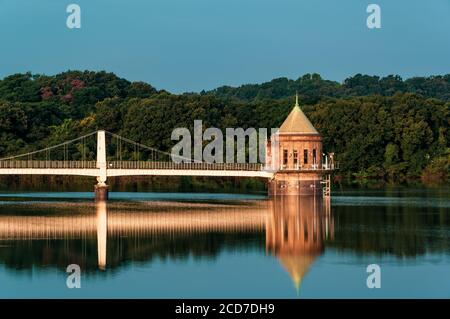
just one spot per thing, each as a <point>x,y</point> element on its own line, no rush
<point>295,152</point>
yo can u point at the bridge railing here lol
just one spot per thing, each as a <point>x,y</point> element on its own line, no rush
<point>157,165</point>
<point>48,164</point>
<point>185,166</point>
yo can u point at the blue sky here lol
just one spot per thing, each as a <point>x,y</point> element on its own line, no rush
<point>190,45</point>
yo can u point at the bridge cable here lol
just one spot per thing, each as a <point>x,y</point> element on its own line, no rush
<point>153,150</point>
<point>30,154</point>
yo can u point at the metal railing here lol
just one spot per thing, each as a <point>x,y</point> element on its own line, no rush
<point>185,166</point>
<point>159,165</point>
<point>311,167</point>
<point>48,164</point>
<point>130,165</point>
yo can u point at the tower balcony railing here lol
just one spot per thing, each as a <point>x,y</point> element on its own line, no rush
<point>311,167</point>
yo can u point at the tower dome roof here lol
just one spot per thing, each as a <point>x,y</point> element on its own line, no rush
<point>297,266</point>
<point>297,122</point>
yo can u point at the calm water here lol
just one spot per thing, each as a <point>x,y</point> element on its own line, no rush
<point>156,245</point>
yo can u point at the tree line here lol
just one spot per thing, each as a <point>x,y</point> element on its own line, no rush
<point>382,129</point>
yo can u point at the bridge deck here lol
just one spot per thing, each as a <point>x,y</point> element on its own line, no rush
<point>132,168</point>
<point>141,168</point>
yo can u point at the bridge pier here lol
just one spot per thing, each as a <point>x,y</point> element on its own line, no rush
<point>101,189</point>
<point>101,192</point>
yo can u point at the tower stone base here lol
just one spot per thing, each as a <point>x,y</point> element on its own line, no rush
<point>295,183</point>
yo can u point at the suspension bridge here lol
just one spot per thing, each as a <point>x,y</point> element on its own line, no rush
<point>156,162</point>
<point>141,160</point>
<point>79,157</point>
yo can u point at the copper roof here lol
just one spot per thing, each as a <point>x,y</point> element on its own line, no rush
<point>297,123</point>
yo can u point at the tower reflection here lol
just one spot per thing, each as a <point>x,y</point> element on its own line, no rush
<point>296,229</point>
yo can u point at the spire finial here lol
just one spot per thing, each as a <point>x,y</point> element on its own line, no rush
<point>296,99</point>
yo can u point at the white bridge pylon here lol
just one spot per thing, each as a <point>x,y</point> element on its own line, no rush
<point>158,163</point>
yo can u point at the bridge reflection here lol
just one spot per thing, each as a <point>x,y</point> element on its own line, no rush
<point>293,228</point>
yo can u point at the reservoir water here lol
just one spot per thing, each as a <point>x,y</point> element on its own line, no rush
<point>173,245</point>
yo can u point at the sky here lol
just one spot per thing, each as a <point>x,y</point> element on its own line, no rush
<point>191,45</point>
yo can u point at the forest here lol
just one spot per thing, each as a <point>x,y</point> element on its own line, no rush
<point>384,130</point>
